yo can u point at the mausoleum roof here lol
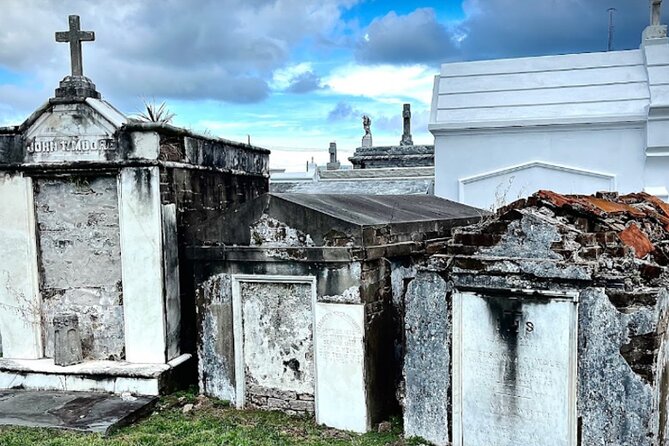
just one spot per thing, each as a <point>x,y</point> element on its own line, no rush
<point>573,88</point>
<point>372,210</point>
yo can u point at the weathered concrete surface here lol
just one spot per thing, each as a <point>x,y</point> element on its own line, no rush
<point>79,411</point>
<point>392,156</point>
<point>116,377</point>
<point>67,341</point>
<point>615,404</point>
<point>216,349</point>
<point>269,232</point>
<point>80,261</point>
<point>278,336</point>
<point>427,360</point>
<point>558,243</point>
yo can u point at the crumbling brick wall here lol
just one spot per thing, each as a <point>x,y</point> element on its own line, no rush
<point>612,251</point>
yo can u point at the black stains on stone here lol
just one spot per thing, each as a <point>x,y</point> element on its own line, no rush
<point>12,149</point>
<point>629,302</point>
<point>63,244</point>
<point>640,354</point>
<point>124,147</point>
<point>507,316</point>
<point>142,180</point>
<point>294,365</point>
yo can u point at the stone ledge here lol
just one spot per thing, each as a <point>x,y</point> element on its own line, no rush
<point>91,368</point>
<point>93,376</point>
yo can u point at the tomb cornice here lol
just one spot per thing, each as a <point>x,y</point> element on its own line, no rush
<point>97,166</point>
<point>539,125</point>
<point>275,254</point>
<point>168,129</point>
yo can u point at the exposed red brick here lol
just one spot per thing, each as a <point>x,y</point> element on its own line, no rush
<point>611,207</point>
<point>633,237</point>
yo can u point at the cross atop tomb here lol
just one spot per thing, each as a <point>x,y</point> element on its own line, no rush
<point>406,136</point>
<point>75,36</point>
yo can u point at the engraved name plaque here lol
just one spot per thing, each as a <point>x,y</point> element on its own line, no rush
<point>70,133</point>
<point>340,366</point>
<point>514,370</point>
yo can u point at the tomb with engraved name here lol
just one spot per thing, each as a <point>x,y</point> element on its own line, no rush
<point>544,325</point>
<point>300,301</point>
<point>95,208</point>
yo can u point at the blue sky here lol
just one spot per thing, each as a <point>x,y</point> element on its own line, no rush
<point>292,74</point>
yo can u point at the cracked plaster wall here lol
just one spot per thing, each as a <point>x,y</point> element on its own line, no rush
<point>80,261</point>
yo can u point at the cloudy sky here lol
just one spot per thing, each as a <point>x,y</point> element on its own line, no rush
<point>292,74</point>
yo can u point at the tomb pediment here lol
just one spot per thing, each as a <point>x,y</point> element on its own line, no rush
<point>78,131</point>
<point>524,179</point>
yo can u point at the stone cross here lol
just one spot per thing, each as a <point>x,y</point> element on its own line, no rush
<point>333,152</point>
<point>75,36</point>
<point>655,12</point>
<point>406,136</point>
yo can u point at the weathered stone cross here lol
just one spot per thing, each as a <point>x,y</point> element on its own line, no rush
<point>75,36</point>
<point>655,12</point>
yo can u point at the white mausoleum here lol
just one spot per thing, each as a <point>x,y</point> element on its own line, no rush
<point>576,123</point>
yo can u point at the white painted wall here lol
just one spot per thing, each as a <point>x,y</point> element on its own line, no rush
<point>490,167</point>
<point>142,265</point>
<point>20,300</point>
<point>576,123</point>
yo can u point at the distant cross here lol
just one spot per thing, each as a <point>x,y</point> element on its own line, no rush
<point>655,12</point>
<point>75,36</point>
<point>406,136</point>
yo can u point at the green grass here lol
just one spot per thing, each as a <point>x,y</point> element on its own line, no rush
<point>210,423</point>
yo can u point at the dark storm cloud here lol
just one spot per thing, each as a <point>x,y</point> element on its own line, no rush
<point>504,28</point>
<point>414,38</point>
<point>343,111</point>
<point>205,49</point>
<point>304,83</point>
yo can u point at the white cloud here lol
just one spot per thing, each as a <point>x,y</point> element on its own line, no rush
<point>205,49</point>
<point>283,77</point>
<point>386,83</point>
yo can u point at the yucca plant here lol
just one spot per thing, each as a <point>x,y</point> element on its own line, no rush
<point>156,113</point>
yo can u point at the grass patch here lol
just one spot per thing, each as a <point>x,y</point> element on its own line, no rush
<point>208,423</point>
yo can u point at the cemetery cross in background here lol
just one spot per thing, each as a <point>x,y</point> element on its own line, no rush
<point>655,12</point>
<point>75,36</point>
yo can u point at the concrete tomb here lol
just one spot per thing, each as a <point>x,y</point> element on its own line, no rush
<point>545,325</point>
<point>300,301</point>
<point>404,155</point>
<point>95,209</point>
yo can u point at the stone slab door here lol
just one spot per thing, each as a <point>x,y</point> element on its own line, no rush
<point>514,369</point>
<point>274,347</point>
